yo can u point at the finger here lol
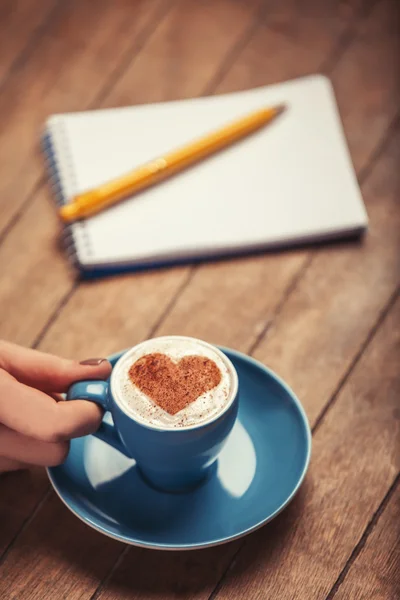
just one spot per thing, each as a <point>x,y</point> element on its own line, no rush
<point>25,450</point>
<point>35,414</point>
<point>55,396</point>
<point>47,372</point>
<point>8,464</point>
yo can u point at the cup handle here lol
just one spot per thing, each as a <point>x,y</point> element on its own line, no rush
<point>98,392</point>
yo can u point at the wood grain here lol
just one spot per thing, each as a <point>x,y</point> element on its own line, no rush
<point>47,556</point>
<point>339,297</point>
<point>187,53</point>
<point>191,305</point>
<point>191,575</point>
<point>88,63</point>
<point>370,66</point>
<point>90,49</point>
<point>375,574</point>
<point>381,192</point>
<point>204,302</point>
<point>20,493</point>
<point>295,39</point>
<point>21,25</point>
<point>332,307</point>
<point>128,325</point>
<point>365,64</point>
<point>60,330</point>
<point>47,269</point>
<point>303,552</point>
<point>138,302</point>
<point>60,557</point>
<point>355,460</point>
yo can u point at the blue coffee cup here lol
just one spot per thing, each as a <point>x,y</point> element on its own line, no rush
<point>172,460</point>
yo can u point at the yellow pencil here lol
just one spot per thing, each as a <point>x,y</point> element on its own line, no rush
<point>107,194</point>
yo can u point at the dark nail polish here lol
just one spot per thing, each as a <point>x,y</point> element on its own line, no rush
<point>93,362</point>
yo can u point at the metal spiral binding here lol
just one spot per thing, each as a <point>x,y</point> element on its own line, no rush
<point>61,173</point>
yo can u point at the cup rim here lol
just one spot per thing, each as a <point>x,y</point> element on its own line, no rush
<point>220,353</point>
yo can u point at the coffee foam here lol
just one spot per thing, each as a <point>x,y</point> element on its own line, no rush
<point>144,409</point>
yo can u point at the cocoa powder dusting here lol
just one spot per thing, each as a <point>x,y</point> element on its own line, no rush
<point>171,385</point>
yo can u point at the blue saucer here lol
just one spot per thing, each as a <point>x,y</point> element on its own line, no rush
<point>258,473</point>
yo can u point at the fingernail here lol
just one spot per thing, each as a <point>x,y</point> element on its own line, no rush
<point>93,362</point>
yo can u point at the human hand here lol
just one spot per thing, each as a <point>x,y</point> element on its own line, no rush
<point>35,423</point>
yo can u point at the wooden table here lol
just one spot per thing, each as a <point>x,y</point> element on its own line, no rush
<point>326,319</point>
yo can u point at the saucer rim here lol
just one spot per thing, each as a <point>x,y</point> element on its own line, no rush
<point>179,547</point>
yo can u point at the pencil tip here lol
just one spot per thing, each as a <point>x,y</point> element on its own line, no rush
<point>280,109</point>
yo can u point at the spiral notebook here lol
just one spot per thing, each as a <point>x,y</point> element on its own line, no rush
<point>292,182</point>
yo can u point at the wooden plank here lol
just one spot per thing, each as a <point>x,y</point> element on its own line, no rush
<point>59,340</point>
<point>60,557</point>
<point>46,268</point>
<point>241,280</point>
<point>300,541</point>
<point>368,67</point>
<point>355,460</point>
<point>339,296</point>
<point>19,495</point>
<point>137,302</point>
<point>229,303</point>
<point>86,68</point>
<point>373,67</point>
<point>375,572</point>
<point>90,47</point>
<point>21,22</point>
<point>310,35</point>
<point>44,577</point>
<point>323,312</point>
<point>46,274</point>
<point>88,60</point>
<point>195,302</point>
<point>179,69</point>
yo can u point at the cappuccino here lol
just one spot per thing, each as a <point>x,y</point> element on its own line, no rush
<point>174,382</point>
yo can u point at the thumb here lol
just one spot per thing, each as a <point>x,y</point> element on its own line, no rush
<point>47,372</point>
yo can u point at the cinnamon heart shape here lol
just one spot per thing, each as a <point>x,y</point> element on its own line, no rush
<point>174,385</point>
